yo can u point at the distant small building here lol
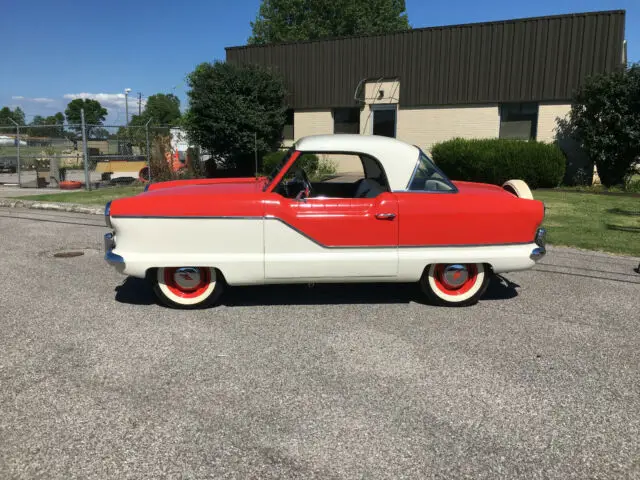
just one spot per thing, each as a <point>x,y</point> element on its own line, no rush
<point>506,79</point>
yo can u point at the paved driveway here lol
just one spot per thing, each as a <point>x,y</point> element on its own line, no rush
<point>540,380</point>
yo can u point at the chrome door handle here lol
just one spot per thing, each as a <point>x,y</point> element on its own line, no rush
<point>385,216</point>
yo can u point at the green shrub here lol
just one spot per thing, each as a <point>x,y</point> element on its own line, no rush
<point>316,168</point>
<point>271,160</point>
<point>497,160</point>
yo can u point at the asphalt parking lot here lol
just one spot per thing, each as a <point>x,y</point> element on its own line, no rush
<point>539,380</point>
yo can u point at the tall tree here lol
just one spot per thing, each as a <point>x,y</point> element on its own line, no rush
<point>51,126</point>
<point>296,20</point>
<point>229,104</point>
<point>94,113</point>
<point>6,115</point>
<point>58,121</point>
<point>605,120</point>
<point>161,109</point>
<point>18,116</point>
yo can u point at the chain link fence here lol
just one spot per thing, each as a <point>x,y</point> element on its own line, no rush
<point>94,156</point>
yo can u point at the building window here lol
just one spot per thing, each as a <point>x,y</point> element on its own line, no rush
<point>346,120</point>
<point>519,121</point>
<point>384,120</point>
<point>287,131</point>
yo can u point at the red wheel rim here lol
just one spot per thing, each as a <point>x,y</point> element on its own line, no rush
<point>190,287</point>
<point>451,288</point>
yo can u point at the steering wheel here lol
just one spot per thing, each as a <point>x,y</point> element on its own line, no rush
<point>302,176</point>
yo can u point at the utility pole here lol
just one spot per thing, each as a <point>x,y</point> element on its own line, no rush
<point>18,155</point>
<point>126,103</point>
<point>87,178</point>
<point>139,103</point>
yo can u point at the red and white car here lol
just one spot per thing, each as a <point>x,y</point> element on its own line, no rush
<point>387,215</point>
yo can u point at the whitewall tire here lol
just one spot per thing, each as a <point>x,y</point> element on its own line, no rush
<point>455,285</point>
<point>519,188</point>
<point>187,287</point>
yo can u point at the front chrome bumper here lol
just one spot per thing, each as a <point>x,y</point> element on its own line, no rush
<point>540,240</point>
<point>109,245</point>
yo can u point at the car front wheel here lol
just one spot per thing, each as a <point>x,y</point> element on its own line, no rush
<point>455,285</point>
<point>187,287</point>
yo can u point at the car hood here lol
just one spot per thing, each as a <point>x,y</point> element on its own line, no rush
<point>209,186</point>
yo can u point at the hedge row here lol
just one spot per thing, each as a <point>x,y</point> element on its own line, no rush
<point>540,165</point>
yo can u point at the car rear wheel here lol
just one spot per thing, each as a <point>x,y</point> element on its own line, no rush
<point>455,285</point>
<point>187,287</point>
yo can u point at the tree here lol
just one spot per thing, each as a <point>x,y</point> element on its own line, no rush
<point>230,103</point>
<point>100,133</point>
<point>295,20</point>
<point>52,126</point>
<point>605,121</point>
<point>18,116</point>
<point>6,115</point>
<point>58,121</point>
<point>94,114</point>
<point>161,109</point>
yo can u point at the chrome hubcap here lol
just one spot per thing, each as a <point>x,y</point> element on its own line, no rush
<point>187,278</point>
<point>455,275</point>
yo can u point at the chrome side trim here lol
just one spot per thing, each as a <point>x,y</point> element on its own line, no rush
<point>270,217</point>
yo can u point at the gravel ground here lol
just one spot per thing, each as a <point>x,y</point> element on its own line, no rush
<point>539,380</point>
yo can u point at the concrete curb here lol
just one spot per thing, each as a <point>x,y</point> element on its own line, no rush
<point>55,206</point>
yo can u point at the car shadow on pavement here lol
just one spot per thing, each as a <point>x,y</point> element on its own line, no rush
<point>136,291</point>
<point>350,293</point>
<point>500,288</point>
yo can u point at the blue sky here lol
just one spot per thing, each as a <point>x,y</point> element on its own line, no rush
<point>101,48</point>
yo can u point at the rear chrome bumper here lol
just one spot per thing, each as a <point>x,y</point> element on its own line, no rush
<point>540,240</point>
<point>109,245</point>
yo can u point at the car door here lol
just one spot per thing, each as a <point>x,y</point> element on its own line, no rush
<point>331,237</point>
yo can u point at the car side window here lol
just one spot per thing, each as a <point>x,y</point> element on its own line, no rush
<point>334,175</point>
<point>428,178</point>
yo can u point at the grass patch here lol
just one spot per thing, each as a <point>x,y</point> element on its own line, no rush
<point>99,196</point>
<point>595,222</point>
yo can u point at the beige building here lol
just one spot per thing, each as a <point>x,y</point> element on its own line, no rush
<point>426,126</point>
<point>505,79</point>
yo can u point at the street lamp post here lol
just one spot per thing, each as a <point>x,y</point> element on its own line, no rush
<point>126,103</point>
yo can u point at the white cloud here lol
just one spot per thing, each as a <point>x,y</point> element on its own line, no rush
<point>109,100</point>
<point>41,100</point>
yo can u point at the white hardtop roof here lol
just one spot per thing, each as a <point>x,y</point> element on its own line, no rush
<point>397,158</point>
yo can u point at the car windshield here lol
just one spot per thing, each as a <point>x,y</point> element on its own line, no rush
<point>276,170</point>
<point>428,177</point>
